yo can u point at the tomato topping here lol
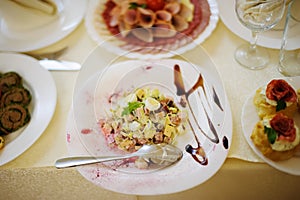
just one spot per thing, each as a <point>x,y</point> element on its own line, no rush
<point>155,4</point>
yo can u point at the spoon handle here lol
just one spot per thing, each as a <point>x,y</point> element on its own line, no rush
<point>85,160</point>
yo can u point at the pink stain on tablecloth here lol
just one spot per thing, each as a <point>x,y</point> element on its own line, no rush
<point>68,137</point>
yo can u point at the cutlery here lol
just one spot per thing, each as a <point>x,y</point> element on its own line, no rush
<point>60,65</point>
<point>50,61</point>
<point>159,154</point>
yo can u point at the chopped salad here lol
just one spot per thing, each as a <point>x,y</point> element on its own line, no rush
<point>145,116</point>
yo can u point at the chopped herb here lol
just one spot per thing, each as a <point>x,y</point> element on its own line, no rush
<point>281,104</point>
<point>131,107</point>
<point>271,134</point>
<point>134,5</point>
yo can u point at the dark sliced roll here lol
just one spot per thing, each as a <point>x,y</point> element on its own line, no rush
<point>15,95</point>
<point>8,80</point>
<point>12,118</point>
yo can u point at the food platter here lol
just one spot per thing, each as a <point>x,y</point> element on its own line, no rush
<point>249,118</point>
<point>41,84</point>
<point>83,137</point>
<point>99,33</point>
<point>35,30</point>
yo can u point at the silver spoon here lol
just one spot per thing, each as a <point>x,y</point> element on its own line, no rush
<point>159,154</point>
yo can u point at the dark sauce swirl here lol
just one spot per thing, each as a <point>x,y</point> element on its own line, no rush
<point>197,152</point>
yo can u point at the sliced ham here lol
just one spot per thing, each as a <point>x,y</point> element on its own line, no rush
<point>280,90</point>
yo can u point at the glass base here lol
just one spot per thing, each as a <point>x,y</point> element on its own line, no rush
<point>289,63</point>
<point>256,58</point>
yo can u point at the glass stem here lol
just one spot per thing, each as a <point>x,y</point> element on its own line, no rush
<point>253,41</point>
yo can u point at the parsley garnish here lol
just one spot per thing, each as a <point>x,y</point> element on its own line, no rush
<point>131,107</point>
<point>281,104</point>
<point>271,134</point>
<point>134,5</point>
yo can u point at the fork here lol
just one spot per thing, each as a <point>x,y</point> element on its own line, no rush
<point>51,61</point>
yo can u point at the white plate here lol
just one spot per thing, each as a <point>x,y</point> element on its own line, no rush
<point>270,39</point>
<point>43,90</point>
<point>250,118</point>
<point>37,35</point>
<point>115,47</point>
<point>188,171</point>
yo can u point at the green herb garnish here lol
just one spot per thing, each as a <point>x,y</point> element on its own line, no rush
<point>131,107</point>
<point>134,5</point>
<point>271,134</point>
<point>281,104</point>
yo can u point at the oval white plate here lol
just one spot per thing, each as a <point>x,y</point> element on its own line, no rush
<point>111,45</point>
<point>250,118</point>
<point>43,35</point>
<point>188,171</point>
<point>270,39</point>
<point>43,90</point>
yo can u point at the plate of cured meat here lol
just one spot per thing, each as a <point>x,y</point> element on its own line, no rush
<point>28,100</point>
<point>271,121</point>
<point>151,29</point>
<point>124,104</point>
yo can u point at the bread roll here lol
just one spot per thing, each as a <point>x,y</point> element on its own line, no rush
<point>281,149</point>
<point>277,97</point>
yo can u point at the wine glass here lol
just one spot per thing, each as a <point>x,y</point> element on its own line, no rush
<point>258,16</point>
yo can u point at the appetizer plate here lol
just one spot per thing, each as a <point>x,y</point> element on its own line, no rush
<point>250,118</point>
<point>270,39</point>
<point>16,36</point>
<point>91,102</point>
<point>43,90</point>
<point>99,33</point>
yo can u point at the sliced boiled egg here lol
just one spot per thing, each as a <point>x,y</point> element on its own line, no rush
<point>152,104</point>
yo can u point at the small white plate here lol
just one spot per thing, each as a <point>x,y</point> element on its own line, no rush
<point>250,118</point>
<point>270,39</point>
<point>43,90</point>
<point>37,34</point>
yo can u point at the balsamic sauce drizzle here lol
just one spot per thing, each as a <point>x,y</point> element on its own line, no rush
<point>211,126</point>
<point>225,142</point>
<point>198,152</point>
<point>217,100</point>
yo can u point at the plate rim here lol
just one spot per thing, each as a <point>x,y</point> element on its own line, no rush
<point>60,33</point>
<point>42,100</point>
<point>231,22</point>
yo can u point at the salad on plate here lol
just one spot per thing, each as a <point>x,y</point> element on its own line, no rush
<point>145,116</point>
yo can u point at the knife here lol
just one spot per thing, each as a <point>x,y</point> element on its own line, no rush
<point>60,65</point>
